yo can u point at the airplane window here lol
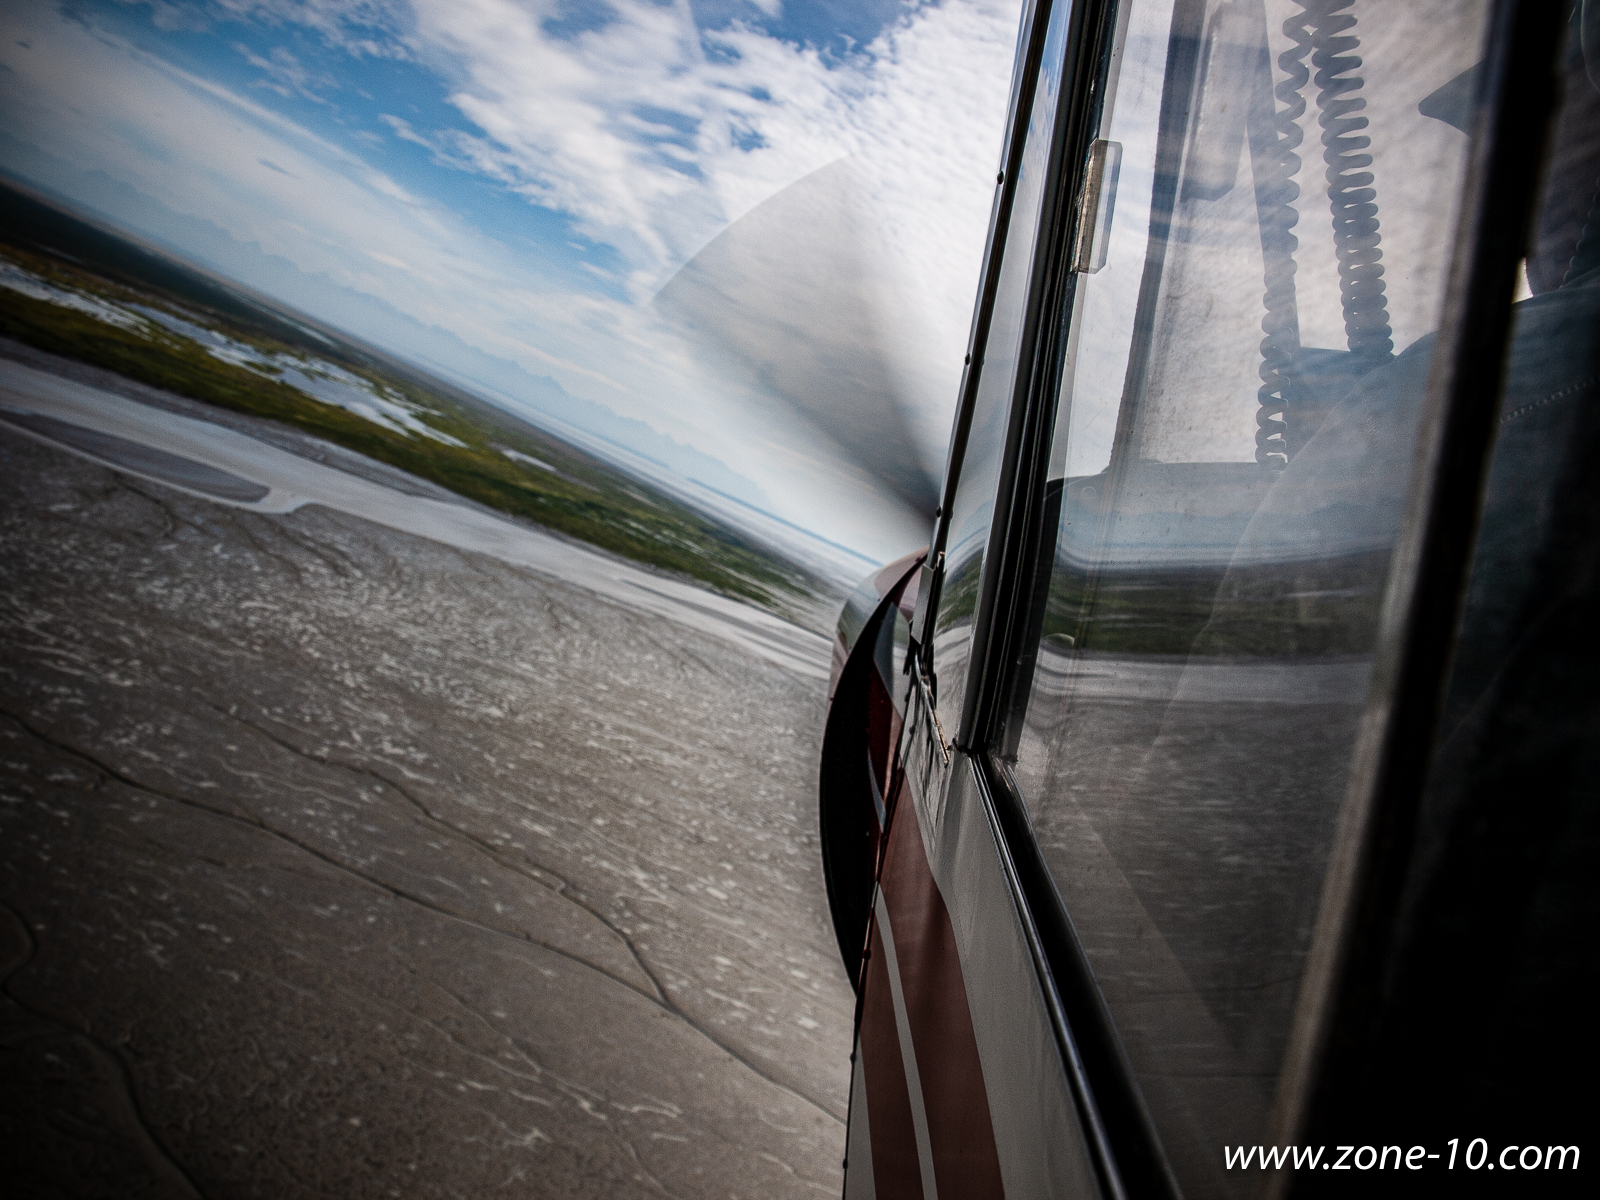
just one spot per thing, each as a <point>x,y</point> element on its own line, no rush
<point>1233,443</point>
<point>973,506</point>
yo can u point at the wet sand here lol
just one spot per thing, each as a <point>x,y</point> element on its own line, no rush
<point>335,861</point>
<point>254,464</point>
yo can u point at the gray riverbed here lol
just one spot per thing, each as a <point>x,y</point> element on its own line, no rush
<point>337,861</point>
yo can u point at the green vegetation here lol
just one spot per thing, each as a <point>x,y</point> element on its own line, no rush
<point>1288,610</point>
<point>94,287</point>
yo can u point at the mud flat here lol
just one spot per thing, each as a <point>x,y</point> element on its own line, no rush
<point>336,861</point>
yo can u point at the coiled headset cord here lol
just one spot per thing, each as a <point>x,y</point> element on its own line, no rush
<point>1276,164</point>
<point>1322,30</point>
<point>1350,190</point>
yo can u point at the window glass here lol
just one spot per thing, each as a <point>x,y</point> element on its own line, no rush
<point>972,509</point>
<point>1233,442</point>
<point>1545,435</point>
<point>1504,862</point>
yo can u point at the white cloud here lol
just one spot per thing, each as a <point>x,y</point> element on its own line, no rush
<point>371,27</point>
<point>285,74</point>
<point>654,137</point>
<point>403,131</point>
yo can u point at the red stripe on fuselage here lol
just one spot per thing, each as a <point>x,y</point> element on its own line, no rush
<point>966,1165</point>
<point>896,1172</point>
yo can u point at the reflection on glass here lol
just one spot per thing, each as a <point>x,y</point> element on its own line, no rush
<point>1512,782</point>
<point>972,510</point>
<point>1233,441</point>
<point>1550,388</point>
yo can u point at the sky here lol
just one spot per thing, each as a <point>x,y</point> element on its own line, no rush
<point>741,236</point>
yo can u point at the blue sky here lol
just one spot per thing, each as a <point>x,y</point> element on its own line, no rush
<point>503,189</point>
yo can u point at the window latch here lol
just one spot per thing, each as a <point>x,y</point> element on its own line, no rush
<point>1099,197</point>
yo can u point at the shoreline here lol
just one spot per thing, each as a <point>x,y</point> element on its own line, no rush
<point>184,429</point>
